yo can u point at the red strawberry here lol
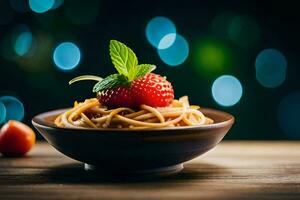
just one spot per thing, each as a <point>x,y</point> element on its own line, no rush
<point>116,97</point>
<point>151,89</point>
<point>133,85</point>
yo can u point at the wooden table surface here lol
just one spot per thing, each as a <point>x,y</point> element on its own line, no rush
<point>232,170</point>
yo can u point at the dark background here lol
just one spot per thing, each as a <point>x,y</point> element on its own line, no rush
<point>41,86</point>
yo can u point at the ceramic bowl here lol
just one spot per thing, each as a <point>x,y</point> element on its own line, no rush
<point>134,151</point>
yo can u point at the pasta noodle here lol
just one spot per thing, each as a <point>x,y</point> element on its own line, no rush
<point>91,114</point>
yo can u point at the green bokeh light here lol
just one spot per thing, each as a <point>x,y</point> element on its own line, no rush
<point>221,23</point>
<point>212,57</point>
<point>244,31</point>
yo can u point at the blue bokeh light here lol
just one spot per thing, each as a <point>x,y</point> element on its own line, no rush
<point>2,113</point>
<point>288,115</point>
<point>157,28</point>
<point>270,68</point>
<point>23,43</point>
<point>227,90</point>
<point>57,4</point>
<point>66,56</point>
<point>167,41</point>
<point>177,53</point>
<point>41,6</point>
<point>14,108</point>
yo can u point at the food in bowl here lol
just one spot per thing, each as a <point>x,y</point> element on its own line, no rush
<point>133,98</point>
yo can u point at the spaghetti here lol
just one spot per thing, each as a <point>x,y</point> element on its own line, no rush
<point>91,114</point>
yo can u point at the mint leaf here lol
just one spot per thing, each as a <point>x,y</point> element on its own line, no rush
<point>123,58</point>
<point>111,81</point>
<point>143,69</point>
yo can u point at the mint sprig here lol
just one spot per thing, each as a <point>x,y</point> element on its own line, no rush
<point>125,62</point>
<point>123,58</point>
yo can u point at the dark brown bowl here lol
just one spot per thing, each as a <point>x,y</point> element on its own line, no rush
<point>135,151</point>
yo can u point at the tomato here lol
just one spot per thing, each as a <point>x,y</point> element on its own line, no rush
<point>16,139</point>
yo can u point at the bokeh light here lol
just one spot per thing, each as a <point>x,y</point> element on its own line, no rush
<point>80,13</point>
<point>2,113</point>
<point>244,31</point>
<point>167,41</point>
<point>19,5</point>
<point>37,59</point>
<point>14,108</point>
<point>57,4</point>
<point>40,6</point>
<point>212,57</point>
<point>288,115</point>
<point>157,29</point>
<point>66,56</point>
<point>16,43</point>
<point>227,90</point>
<point>270,68</point>
<point>177,53</point>
<point>221,24</point>
<point>23,43</point>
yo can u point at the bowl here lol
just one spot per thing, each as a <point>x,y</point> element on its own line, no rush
<point>147,151</point>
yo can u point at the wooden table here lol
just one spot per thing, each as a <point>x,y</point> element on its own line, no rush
<point>233,170</point>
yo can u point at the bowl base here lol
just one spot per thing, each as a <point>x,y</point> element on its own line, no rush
<point>169,170</point>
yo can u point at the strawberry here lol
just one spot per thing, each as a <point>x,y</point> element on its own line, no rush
<point>134,84</point>
<point>152,90</point>
<point>117,97</point>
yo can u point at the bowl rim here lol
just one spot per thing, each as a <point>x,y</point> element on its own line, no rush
<point>38,121</point>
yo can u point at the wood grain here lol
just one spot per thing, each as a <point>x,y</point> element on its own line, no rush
<point>233,170</point>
